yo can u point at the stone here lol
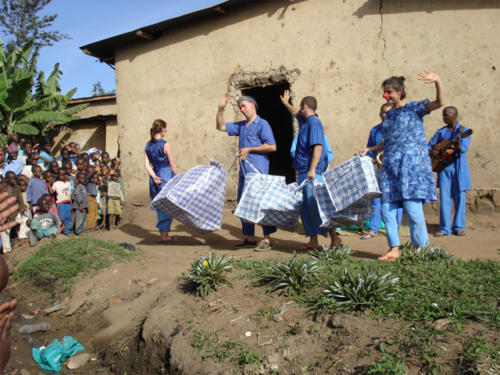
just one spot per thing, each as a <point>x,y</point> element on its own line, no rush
<point>484,206</point>
<point>50,310</point>
<point>339,321</point>
<point>78,361</point>
<point>496,198</point>
<point>441,324</point>
<point>470,196</point>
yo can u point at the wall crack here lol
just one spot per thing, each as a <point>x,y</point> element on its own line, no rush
<point>381,35</point>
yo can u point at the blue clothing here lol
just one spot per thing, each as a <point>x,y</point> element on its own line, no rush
<point>256,134</point>
<point>328,148</point>
<point>310,134</point>
<point>161,166</point>
<point>35,189</point>
<point>309,212</point>
<point>374,139</point>
<point>376,218</point>
<point>64,210</point>
<point>248,229</point>
<point>416,221</point>
<point>15,166</point>
<point>164,221</point>
<point>462,182</point>
<point>47,156</point>
<point>406,171</point>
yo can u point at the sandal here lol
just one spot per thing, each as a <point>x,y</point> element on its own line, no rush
<point>440,234</point>
<point>388,257</point>
<point>459,233</point>
<point>308,247</point>
<point>368,235</point>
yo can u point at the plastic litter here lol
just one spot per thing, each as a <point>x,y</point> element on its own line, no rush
<point>32,328</point>
<point>50,357</point>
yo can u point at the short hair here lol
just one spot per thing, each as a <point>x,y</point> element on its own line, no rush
<point>310,101</point>
<point>451,109</point>
<point>9,173</point>
<point>397,83</point>
<point>34,168</point>
<point>385,105</point>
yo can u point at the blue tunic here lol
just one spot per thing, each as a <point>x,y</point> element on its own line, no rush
<point>460,164</point>
<point>374,139</point>
<point>161,166</point>
<point>310,134</point>
<point>256,134</point>
<point>406,170</point>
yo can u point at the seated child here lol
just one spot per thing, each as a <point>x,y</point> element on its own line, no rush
<point>115,199</point>
<point>80,203</point>
<point>46,223</point>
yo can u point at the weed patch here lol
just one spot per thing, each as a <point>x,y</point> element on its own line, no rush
<point>56,265</point>
<point>208,272</point>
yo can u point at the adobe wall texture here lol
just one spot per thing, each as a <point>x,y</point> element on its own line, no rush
<point>340,52</point>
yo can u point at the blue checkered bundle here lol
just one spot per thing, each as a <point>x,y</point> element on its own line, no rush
<point>352,182</point>
<point>330,218</point>
<point>196,197</point>
<point>267,200</point>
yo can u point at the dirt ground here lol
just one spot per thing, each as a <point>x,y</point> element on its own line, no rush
<point>109,307</point>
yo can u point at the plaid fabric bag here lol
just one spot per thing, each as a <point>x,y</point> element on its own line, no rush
<point>352,215</point>
<point>196,197</point>
<point>267,200</point>
<point>352,182</point>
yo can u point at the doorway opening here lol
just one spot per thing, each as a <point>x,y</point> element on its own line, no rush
<point>274,112</point>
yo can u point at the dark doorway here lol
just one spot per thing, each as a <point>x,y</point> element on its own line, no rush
<point>274,112</point>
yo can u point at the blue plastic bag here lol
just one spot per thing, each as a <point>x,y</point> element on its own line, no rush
<point>51,357</point>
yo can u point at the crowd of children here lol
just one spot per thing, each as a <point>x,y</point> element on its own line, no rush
<point>76,192</point>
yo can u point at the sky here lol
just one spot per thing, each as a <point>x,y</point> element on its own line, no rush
<point>94,20</point>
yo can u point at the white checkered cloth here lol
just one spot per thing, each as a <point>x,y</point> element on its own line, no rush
<point>267,200</point>
<point>352,182</point>
<point>352,215</point>
<point>196,197</point>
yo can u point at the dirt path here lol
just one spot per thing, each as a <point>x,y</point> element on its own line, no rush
<point>109,306</point>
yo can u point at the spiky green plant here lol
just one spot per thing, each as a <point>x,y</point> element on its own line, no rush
<point>291,277</point>
<point>361,289</point>
<point>208,272</point>
<point>326,254</point>
<point>425,253</point>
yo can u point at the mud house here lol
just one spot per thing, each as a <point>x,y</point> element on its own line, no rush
<point>337,50</point>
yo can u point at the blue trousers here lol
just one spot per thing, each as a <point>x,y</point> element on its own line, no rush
<point>416,221</point>
<point>64,210</point>
<point>309,212</point>
<point>164,221</point>
<point>448,191</point>
<point>248,229</point>
<point>80,221</point>
<point>376,218</point>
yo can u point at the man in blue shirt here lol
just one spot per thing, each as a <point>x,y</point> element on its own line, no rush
<point>374,139</point>
<point>310,161</point>
<point>256,140</point>
<point>453,180</point>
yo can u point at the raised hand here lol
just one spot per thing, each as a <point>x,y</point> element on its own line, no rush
<point>223,101</point>
<point>285,98</point>
<point>428,77</point>
<point>7,207</point>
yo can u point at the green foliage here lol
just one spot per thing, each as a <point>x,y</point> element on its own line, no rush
<point>291,277</point>
<point>24,112</point>
<point>207,273</point>
<point>479,357</point>
<point>21,21</point>
<point>56,265</point>
<point>388,365</point>
<point>425,253</point>
<point>363,289</point>
<point>335,254</point>
<point>98,90</point>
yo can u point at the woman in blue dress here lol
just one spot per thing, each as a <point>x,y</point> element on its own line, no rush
<point>161,168</point>
<point>406,179</point>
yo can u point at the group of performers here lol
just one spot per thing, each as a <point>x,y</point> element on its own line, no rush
<point>406,178</point>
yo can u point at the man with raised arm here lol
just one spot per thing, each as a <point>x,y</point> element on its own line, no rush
<point>256,140</point>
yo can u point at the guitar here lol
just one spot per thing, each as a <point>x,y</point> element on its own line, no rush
<point>443,154</point>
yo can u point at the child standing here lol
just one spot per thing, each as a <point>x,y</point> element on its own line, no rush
<point>80,203</point>
<point>36,187</point>
<point>115,199</point>
<point>62,188</point>
<point>46,223</point>
<point>91,185</point>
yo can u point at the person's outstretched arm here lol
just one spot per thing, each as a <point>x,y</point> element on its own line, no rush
<point>221,125</point>
<point>285,99</point>
<point>429,77</point>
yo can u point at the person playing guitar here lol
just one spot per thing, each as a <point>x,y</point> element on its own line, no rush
<point>453,179</point>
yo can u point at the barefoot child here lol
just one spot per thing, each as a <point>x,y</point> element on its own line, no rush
<point>46,224</point>
<point>80,203</point>
<point>115,199</point>
<point>62,188</point>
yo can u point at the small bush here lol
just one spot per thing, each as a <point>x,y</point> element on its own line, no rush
<point>207,273</point>
<point>327,254</point>
<point>425,253</point>
<point>361,289</point>
<point>290,277</point>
